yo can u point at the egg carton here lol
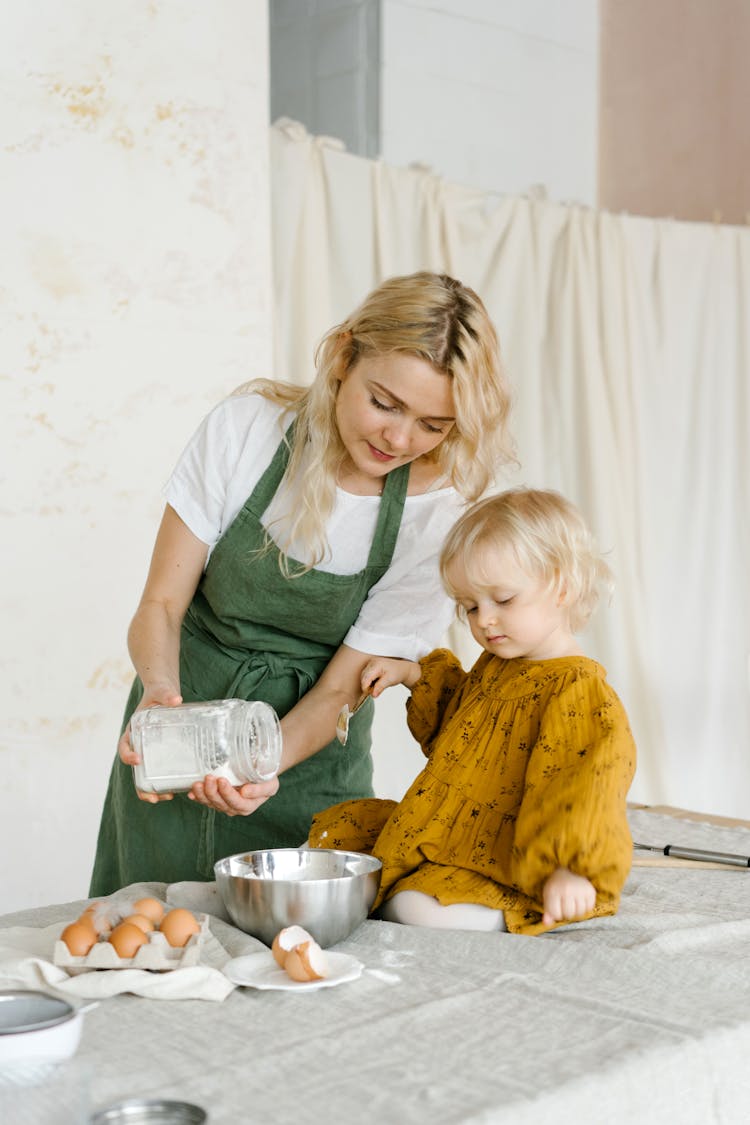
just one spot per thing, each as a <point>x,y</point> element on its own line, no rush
<point>156,954</point>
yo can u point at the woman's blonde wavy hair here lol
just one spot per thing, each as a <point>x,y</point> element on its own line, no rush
<point>549,540</point>
<point>424,314</point>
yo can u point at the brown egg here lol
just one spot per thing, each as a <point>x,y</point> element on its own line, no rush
<point>286,940</point>
<point>87,920</point>
<point>178,926</point>
<point>150,908</point>
<point>126,939</point>
<point>141,921</point>
<point>78,938</point>
<point>307,962</point>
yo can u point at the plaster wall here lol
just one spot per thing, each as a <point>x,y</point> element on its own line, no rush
<point>134,293</point>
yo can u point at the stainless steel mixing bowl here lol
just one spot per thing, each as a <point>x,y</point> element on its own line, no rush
<point>327,892</point>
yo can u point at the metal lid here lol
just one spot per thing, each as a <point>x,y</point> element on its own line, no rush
<point>145,1111</point>
<point>29,1010</point>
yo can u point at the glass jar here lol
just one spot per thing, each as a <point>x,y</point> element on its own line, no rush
<point>229,738</point>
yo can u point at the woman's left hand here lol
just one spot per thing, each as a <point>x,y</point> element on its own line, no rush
<point>218,793</point>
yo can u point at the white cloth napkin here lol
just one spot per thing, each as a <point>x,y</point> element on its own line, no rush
<point>26,958</point>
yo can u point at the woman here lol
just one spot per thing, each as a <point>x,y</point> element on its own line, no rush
<point>300,539</point>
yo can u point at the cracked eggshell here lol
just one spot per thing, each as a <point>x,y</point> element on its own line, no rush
<point>307,961</point>
<point>286,940</point>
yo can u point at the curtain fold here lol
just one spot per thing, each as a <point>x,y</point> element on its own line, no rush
<point>626,341</point>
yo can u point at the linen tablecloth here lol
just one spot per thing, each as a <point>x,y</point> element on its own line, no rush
<point>644,1017</point>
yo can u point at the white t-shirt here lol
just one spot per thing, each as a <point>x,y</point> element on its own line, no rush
<point>406,612</point>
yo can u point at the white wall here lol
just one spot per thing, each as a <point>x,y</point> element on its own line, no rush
<point>134,293</point>
<point>496,94</point>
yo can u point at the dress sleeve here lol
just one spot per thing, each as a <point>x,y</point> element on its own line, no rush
<point>434,697</point>
<point>573,812</point>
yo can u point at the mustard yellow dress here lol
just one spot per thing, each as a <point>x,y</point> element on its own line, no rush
<point>529,765</point>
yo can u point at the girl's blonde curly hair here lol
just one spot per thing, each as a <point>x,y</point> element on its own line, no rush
<point>548,538</point>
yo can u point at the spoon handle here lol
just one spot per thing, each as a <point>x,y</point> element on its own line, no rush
<point>362,699</point>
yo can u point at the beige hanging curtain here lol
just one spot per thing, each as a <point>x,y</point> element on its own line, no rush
<point>627,341</point>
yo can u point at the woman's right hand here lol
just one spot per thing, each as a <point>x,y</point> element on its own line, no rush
<point>154,695</point>
<point>154,634</point>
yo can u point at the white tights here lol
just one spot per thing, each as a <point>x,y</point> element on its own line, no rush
<point>413,908</point>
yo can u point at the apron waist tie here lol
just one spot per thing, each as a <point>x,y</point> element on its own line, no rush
<point>257,667</point>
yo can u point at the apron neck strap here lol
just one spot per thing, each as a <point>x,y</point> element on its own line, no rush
<point>265,489</point>
<point>389,517</point>
<point>390,508</point>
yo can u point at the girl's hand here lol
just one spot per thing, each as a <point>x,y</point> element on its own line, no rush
<point>567,896</point>
<point>163,695</point>
<point>384,671</point>
<point>218,793</point>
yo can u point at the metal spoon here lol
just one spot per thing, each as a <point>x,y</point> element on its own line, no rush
<point>345,715</point>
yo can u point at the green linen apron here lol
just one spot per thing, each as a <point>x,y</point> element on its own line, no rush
<point>251,633</point>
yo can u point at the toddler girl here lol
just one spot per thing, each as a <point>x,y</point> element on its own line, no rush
<point>518,820</point>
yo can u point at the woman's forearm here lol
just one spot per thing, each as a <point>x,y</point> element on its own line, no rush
<point>311,723</point>
<point>154,645</point>
<point>154,634</point>
<point>300,739</point>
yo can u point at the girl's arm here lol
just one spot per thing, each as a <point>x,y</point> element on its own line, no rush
<point>382,672</point>
<point>573,813</point>
<point>435,697</point>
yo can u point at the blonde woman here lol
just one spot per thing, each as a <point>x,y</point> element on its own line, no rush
<point>300,539</point>
<point>518,821</point>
